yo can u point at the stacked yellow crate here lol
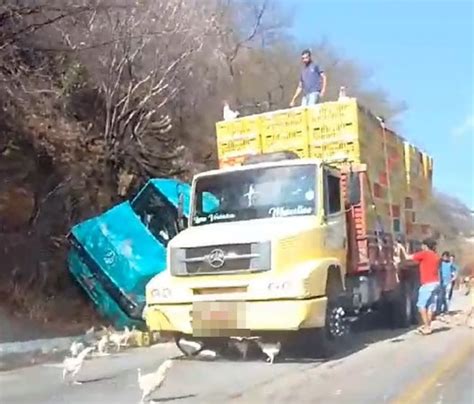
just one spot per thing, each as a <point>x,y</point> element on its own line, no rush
<point>340,132</point>
<point>419,168</point>
<point>395,167</point>
<point>333,129</point>
<point>237,139</point>
<point>343,130</point>
<point>427,182</point>
<point>285,130</point>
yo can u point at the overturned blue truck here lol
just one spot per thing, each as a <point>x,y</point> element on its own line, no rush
<point>113,256</point>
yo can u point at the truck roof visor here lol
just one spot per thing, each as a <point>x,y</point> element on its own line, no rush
<point>270,157</point>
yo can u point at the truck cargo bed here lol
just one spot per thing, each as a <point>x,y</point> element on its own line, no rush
<point>398,177</point>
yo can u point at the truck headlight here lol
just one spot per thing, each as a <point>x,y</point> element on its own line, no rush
<point>177,266</point>
<point>263,251</point>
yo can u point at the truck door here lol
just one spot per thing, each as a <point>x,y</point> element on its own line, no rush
<point>159,213</point>
<point>335,236</point>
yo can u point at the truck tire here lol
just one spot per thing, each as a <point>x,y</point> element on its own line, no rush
<point>333,336</point>
<point>402,306</point>
<point>415,319</point>
<point>328,341</point>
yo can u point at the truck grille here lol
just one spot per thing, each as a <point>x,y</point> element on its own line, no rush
<point>220,258</point>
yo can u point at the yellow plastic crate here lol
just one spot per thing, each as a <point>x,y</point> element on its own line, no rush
<point>284,140</point>
<point>301,151</point>
<point>427,166</point>
<point>245,126</point>
<point>284,121</point>
<point>335,111</point>
<point>332,119</point>
<point>288,117</point>
<point>237,146</point>
<point>323,150</point>
<point>345,123</point>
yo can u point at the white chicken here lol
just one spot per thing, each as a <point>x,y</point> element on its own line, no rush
<point>150,382</point>
<point>120,339</point>
<point>270,349</point>
<point>89,336</point>
<point>102,345</point>
<point>228,113</point>
<point>342,94</point>
<point>76,347</point>
<point>116,339</point>
<point>72,366</point>
<point>189,347</point>
<point>126,335</point>
<point>207,354</point>
<point>242,345</point>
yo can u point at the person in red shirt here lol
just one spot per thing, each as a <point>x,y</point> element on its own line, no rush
<point>429,262</point>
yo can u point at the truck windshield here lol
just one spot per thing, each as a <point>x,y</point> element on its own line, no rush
<point>256,194</point>
<point>157,214</point>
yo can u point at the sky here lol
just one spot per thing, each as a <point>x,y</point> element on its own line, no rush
<point>420,52</point>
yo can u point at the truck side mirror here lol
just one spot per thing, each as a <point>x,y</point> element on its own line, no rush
<point>354,188</point>
<point>181,222</point>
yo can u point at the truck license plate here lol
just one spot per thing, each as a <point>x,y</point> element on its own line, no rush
<point>213,319</point>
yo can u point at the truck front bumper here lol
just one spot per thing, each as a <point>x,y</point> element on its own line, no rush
<point>269,315</point>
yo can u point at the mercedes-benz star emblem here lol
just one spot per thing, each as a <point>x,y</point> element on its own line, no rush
<point>216,258</point>
<point>109,257</point>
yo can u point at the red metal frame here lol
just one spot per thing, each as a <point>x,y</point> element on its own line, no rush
<point>367,251</point>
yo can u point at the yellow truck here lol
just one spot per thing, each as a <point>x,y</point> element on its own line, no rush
<point>307,208</point>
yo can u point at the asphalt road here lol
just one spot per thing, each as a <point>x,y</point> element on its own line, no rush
<point>379,366</point>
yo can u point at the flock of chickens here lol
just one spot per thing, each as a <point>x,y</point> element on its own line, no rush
<point>239,344</point>
<point>79,350</point>
<point>109,339</point>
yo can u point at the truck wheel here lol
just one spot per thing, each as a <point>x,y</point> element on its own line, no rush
<point>415,320</point>
<point>402,315</point>
<point>330,339</point>
<point>334,334</point>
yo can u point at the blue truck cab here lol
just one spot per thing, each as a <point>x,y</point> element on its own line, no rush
<point>115,254</point>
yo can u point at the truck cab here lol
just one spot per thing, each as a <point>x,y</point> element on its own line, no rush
<point>268,257</point>
<point>112,256</point>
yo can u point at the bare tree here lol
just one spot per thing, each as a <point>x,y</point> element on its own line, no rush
<point>137,57</point>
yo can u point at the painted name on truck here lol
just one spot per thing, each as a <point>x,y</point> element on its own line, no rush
<point>285,212</point>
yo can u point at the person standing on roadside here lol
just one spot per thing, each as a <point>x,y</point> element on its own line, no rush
<point>446,279</point>
<point>455,272</point>
<point>312,82</point>
<point>429,262</point>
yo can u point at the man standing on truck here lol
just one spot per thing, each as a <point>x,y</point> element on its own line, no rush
<point>429,262</point>
<point>312,82</point>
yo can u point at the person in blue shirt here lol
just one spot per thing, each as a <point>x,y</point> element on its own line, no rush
<point>455,269</point>
<point>446,277</point>
<point>312,82</point>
